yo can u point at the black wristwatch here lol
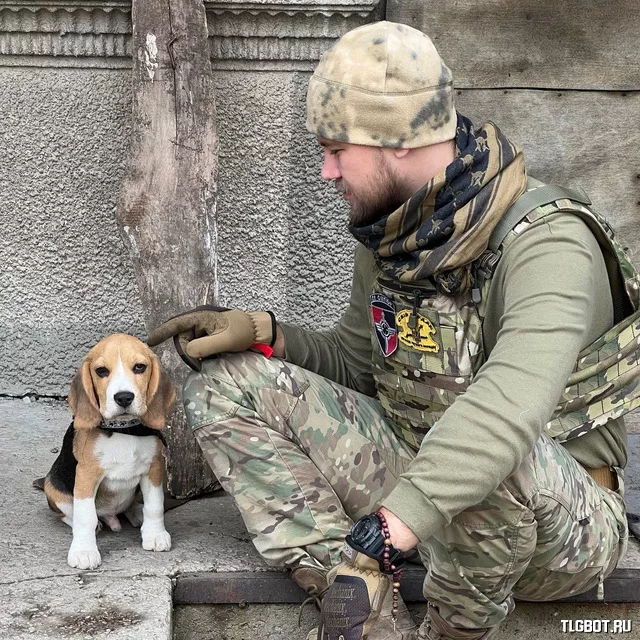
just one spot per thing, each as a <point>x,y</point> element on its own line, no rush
<point>366,537</point>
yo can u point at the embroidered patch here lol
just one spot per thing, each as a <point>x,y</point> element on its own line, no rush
<point>383,312</point>
<point>420,337</point>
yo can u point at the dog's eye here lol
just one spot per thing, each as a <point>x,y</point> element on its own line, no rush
<point>102,372</point>
<point>139,368</point>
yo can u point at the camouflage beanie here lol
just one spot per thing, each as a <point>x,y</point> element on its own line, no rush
<point>383,85</point>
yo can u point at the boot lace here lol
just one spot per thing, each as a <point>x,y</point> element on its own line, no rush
<point>315,597</point>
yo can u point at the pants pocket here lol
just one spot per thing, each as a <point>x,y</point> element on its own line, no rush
<point>579,528</point>
<point>474,562</point>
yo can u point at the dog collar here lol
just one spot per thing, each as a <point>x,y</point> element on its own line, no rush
<point>131,428</point>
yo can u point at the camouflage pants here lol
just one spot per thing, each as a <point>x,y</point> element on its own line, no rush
<point>304,457</point>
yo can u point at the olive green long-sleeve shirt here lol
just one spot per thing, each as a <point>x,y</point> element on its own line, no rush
<point>549,298</point>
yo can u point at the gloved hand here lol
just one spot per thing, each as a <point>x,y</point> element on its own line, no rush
<point>351,606</point>
<point>208,330</point>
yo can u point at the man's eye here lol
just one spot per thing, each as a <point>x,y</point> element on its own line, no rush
<point>139,368</point>
<point>102,372</point>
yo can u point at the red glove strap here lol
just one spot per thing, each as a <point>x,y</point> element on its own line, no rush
<point>266,350</point>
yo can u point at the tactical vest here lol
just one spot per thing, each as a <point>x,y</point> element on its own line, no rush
<point>427,347</point>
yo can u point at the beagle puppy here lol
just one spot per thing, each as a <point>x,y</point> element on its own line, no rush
<point>120,399</point>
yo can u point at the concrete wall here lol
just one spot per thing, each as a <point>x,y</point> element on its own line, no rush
<point>65,276</point>
<point>277,219</point>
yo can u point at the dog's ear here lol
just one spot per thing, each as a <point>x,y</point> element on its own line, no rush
<point>82,400</point>
<point>160,397</point>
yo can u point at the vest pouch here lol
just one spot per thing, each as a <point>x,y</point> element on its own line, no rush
<point>431,364</point>
<point>604,385</point>
<point>413,407</point>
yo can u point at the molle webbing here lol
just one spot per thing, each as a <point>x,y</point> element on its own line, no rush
<point>535,197</point>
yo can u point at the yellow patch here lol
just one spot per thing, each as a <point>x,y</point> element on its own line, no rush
<point>420,337</point>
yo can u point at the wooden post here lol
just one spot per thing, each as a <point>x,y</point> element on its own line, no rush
<point>166,208</point>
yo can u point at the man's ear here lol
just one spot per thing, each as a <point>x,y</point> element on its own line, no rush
<point>160,397</point>
<point>400,153</point>
<point>82,400</point>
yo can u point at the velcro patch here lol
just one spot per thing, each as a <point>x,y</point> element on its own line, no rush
<point>419,337</point>
<point>383,313</point>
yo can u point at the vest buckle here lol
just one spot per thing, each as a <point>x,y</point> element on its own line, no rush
<point>487,263</point>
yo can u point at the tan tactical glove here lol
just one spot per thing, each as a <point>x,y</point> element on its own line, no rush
<point>208,330</point>
<point>351,606</point>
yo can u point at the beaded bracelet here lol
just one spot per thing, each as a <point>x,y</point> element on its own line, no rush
<point>390,568</point>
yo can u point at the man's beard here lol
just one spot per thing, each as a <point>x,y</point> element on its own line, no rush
<point>383,195</point>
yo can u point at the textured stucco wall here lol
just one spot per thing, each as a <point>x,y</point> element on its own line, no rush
<point>283,241</point>
<point>65,278</point>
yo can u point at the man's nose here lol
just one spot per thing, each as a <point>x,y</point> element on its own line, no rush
<point>330,169</point>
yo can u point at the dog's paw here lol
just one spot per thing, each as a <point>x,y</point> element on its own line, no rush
<point>160,541</point>
<point>84,558</point>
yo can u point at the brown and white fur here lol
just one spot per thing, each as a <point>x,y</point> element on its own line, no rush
<point>97,474</point>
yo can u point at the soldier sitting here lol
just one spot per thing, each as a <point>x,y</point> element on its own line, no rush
<point>441,412</point>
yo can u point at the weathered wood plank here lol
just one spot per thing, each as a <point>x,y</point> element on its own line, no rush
<point>531,43</point>
<point>166,206</point>
<point>574,139</point>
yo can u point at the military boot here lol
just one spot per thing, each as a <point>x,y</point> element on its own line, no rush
<point>405,627</point>
<point>435,627</point>
<point>314,581</point>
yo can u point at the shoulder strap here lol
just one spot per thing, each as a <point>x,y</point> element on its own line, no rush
<point>535,197</point>
<point>538,195</point>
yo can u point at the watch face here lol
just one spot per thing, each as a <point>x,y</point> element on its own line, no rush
<point>366,537</point>
<point>365,528</point>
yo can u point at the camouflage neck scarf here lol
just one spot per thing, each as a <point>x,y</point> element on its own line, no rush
<point>445,226</point>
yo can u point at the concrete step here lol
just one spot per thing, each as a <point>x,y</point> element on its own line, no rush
<point>274,587</point>
<point>266,605</point>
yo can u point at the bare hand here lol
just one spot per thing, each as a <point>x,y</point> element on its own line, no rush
<point>402,538</point>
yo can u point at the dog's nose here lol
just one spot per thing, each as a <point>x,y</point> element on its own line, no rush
<point>123,398</point>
